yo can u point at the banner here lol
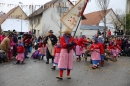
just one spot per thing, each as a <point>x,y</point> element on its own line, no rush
<point>71,18</point>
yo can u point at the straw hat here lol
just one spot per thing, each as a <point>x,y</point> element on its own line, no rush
<point>67,30</point>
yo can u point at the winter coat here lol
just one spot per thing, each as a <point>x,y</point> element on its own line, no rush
<point>53,39</point>
<point>5,44</point>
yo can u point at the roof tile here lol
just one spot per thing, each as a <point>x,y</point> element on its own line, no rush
<point>94,18</point>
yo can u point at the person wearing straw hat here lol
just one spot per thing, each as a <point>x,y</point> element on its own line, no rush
<point>66,54</point>
<point>50,41</point>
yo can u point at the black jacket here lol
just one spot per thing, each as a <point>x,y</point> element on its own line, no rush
<point>15,39</point>
<point>53,39</point>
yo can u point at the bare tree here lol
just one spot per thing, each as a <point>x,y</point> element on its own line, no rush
<point>118,21</point>
<point>45,30</point>
<point>103,5</point>
<point>33,21</point>
<point>55,20</point>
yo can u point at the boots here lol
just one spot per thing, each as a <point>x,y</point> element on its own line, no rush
<point>53,68</point>
<point>18,62</point>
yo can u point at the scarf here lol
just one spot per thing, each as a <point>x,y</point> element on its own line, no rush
<point>66,38</point>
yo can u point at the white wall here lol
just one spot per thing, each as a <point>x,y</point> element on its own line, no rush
<point>15,24</point>
<point>110,17</point>
<point>48,22</point>
<point>89,33</point>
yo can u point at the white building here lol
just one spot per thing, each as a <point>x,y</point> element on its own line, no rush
<point>96,19</point>
<point>48,17</point>
<point>127,6</point>
<point>15,19</point>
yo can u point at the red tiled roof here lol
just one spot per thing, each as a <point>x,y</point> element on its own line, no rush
<point>94,18</point>
<point>42,9</point>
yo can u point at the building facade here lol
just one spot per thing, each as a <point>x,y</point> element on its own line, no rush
<point>127,6</point>
<point>48,17</point>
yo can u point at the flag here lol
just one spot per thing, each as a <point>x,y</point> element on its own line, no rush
<point>71,18</point>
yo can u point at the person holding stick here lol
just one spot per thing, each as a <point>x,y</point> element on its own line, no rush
<point>66,54</point>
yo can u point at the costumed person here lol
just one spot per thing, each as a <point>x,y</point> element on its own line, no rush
<point>50,41</point>
<point>2,36</point>
<point>36,44</point>
<point>27,43</point>
<point>87,51</point>
<point>66,54</point>
<point>81,41</point>
<point>11,49</point>
<point>41,50</point>
<point>57,51</point>
<point>114,51</point>
<point>109,33</point>
<point>78,51</point>
<point>101,42</point>
<point>95,55</point>
<point>21,50</point>
<point>5,45</point>
<point>15,40</point>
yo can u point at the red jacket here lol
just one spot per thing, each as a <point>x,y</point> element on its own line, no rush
<point>57,50</point>
<point>119,42</point>
<point>81,41</point>
<point>96,46</point>
<point>20,49</point>
<point>115,47</point>
<point>102,48</point>
<point>64,44</point>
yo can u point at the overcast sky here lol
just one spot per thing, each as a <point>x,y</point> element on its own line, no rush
<point>114,4</point>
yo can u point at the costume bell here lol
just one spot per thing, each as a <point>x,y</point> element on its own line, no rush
<point>66,54</point>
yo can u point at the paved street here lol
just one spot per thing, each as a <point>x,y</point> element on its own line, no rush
<point>37,73</point>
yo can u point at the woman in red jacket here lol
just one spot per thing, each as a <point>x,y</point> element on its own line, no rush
<point>114,49</point>
<point>81,41</point>
<point>95,55</point>
<point>66,54</point>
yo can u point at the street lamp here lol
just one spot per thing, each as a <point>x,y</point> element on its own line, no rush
<point>21,15</point>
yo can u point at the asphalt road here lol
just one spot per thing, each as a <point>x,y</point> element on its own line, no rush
<point>37,73</point>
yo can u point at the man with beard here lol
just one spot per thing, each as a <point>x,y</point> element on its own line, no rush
<point>50,41</point>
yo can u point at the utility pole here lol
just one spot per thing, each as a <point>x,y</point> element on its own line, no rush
<point>60,17</point>
<point>126,15</point>
<point>21,15</point>
<point>32,18</point>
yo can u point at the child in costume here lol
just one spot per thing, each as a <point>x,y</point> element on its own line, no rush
<point>79,49</point>
<point>21,50</point>
<point>41,50</point>
<point>11,50</point>
<point>96,52</point>
<point>114,50</point>
<point>57,50</point>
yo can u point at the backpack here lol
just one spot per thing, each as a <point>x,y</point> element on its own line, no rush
<point>35,54</point>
